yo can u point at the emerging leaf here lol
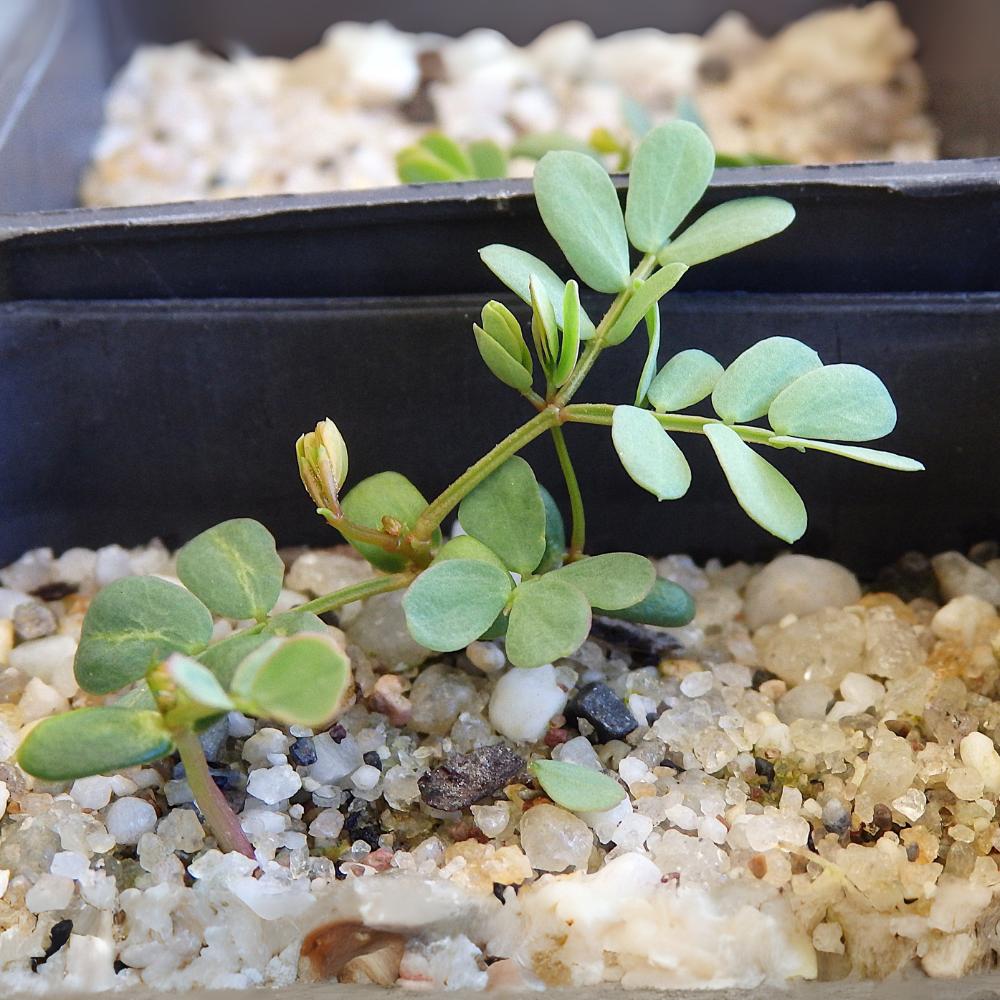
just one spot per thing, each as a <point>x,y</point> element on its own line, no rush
<point>93,741</point>
<point>648,454</point>
<point>579,206</point>
<point>687,378</point>
<point>454,602</point>
<point>841,402</point>
<point>750,384</point>
<point>505,513</point>
<point>515,269</point>
<point>500,363</point>
<point>555,534</point>
<point>304,681</point>
<point>199,693</point>
<point>133,624</point>
<point>448,151</point>
<point>643,299</point>
<point>728,227</point>
<point>548,620</point>
<point>223,657</point>
<point>569,349</point>
<point>611,581</point>
<point>575,787</point>
<point>652,355</point>
<point>544,329</point>
<point>885,459</point>
<point>670,172</point>
<point>387,494</point>
<point>233,568</point>
<point>666,605</point>
<point>502,325</point>
<point>761,490</point>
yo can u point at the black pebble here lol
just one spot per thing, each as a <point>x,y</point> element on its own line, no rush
<point>362,825</point>
<point>764,769</point>
<point>373,759</point>
<point>466,778</point>
<point>337,733</point>
<point>909,577</point>
<point>57,938</point>
<point>54,591</point>
<point>498,891</point>
<point>302,751</point>
<point>761,676</point>
<point>604,710</point>
<point>644,644</point>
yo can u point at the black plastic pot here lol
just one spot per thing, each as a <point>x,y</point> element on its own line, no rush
<point>126,420</point>
<point>156,365</point>
<point>936,225</point>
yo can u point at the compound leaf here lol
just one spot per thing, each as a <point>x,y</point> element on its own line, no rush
<point>649,455</point>
<point>761,490</point>
<point>670,172</point>
<point>750,384</point>
<point>454,602</point>
<point>131,625</point>
<point>548,620</point>
<point>505,512</point>
<point>579,206</point>
<point>687,378</point>
<point>728,227</point>
<point>610,581</point>
<point>233,568</point>
<point>842,402</point>
<point>93,741</point>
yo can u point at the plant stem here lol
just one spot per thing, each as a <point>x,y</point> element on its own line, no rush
<point>579,529</point>
<point>601,413</point>
<point>356,592</point>
<point>354,532</point>
<point>596,343</point>
<point>439,509</point>
<point>221,819</point>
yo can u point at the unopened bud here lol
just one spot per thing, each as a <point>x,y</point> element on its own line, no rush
<point>322,456</point>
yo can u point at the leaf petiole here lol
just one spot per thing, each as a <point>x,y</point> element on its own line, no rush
<point>578,531</point>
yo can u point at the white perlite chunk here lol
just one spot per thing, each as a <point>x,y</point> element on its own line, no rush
<point>274,784</point>
<point>492,819</point>
<point>92,793</point>
<point>554,839</point>
<point>180,830</point>
<point>524,702</point>
<point>50,659</point>
<point>828,937</point>
<point>797,585</point>
<point>128,818</point>
<point>50,892</point>
<point>978,751</point>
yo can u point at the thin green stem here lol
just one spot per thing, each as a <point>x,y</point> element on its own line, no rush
<point>601,413</point>
<point>596,343</point>
<point>356,592</point>
<point>578,532</point>
<point>439,509</point>
<point>219,816</point>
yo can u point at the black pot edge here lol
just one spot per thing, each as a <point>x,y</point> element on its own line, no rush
<point>934,178</point>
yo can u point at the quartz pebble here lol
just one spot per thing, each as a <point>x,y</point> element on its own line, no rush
<point>50,892</point>
<point>524,702</point>
<point>978,751</point>
<point>274,784</point>
<point>798,585</point>
<point>33,620</point>
<point>467,778</point>
<point>92,793</point>
<point>958,576</point>
<point>128,818</point>
<point>604,710</point>
<point>554,839</point>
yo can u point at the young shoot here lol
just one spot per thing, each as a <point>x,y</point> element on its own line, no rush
<point>513,573</point>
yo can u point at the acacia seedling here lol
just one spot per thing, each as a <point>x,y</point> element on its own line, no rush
<point>512,574</point>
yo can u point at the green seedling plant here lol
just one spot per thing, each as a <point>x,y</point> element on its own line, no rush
<point>512,573</point>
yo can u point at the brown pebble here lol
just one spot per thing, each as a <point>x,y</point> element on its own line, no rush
<point>329,949</point>
<point>555,736</point>
<point>758,866</point>
<point>466,778</point>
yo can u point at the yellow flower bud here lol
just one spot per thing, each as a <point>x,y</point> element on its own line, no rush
<point>322,456</point>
